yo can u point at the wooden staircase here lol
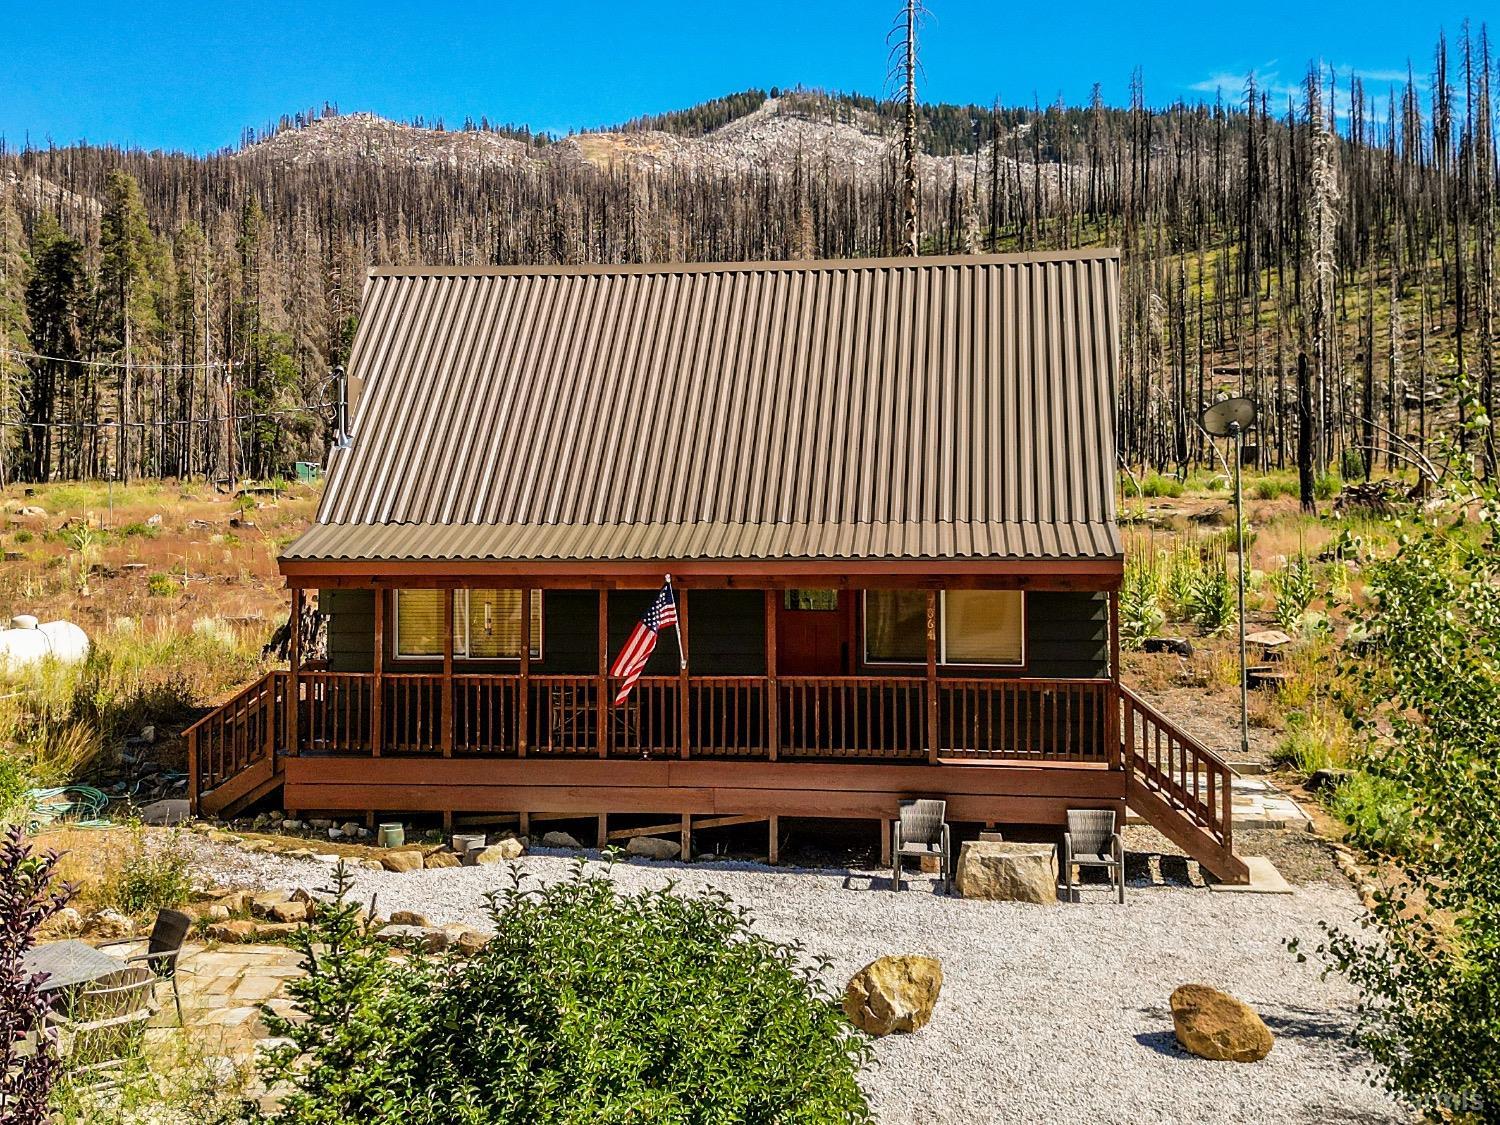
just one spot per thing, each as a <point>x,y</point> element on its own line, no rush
<point>1177,784</point>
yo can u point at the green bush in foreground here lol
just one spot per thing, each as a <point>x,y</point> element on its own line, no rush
<point>587,1006</point>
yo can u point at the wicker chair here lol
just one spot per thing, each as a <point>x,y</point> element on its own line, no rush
<point>103,1024</point>
<point>921,831</point>
<point>163,948</point>
<point>1091,841</point>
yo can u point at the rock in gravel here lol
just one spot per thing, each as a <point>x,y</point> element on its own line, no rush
<point>241,929</point>
<point>441,859</point>
<point>652,847</point>
<point>409,918</point>
<point>1007,872</point>
<point>292,911</point>
<point>431,938</point>
<point>560,840</point>
<point>1215,1025</point>
<point>263,902</point>
<point>109,924</point>
<point>894,994</point>
<point>68,920</point>
<point>469,942</point>
<point>402,860</point>
<point>217,912</point>
<point>502,852</point>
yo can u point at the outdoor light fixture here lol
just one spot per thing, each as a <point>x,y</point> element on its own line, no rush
<point>1231,418</point>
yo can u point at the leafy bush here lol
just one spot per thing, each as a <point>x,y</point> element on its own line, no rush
<point>1272,488</point>
<point>1157,485</point>
<point>1294,586</point>
<point>27,899</point>
<point>1210,597</point>
<point>1376,809</point>
<point>587,1005</point>
<point>140,530</point>
<point>149,876</point>
<point>1352,464</point>
<point>161,586</point>
<point>1315,739</point>
<point>1326,486</point>
<point>1141,614</point>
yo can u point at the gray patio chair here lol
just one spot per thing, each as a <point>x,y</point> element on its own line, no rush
<point>168,934</point>
<point>1091,841</point>
<point>921,830</point>
<point>103,1024</point>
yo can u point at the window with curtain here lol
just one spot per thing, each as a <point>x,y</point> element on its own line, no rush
<point>982,627</point>
<point>486,624</point>
<point>974,627</point>
<point>896,626</point>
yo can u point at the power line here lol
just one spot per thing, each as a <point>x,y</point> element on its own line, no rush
<point>17,353</point>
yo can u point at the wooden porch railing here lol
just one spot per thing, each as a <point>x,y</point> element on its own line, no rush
<point>1043,720</point>
<point>851,717</point>
<point>1174,768</point>
<point>242,732</point>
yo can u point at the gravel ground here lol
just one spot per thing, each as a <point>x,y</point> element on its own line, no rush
<point>1047,1014</point>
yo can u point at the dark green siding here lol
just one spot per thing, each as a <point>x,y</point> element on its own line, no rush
<point>351,629</point>
<point>1067,634</point>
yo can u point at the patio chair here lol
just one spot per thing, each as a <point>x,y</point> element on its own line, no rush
<point>1091,841</point>
<point>921,830</point>
<point>103,1024</point>
<point>163,948</point>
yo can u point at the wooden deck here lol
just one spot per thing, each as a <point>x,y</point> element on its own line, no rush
<point>1004,751</point>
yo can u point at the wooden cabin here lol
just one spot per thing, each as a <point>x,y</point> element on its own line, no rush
<point>883,490</point>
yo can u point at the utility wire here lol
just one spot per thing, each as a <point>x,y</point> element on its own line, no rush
<point>17,353</point>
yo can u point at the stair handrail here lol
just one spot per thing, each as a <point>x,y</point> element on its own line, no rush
<point>263,694</point>
<point>1212,812</point>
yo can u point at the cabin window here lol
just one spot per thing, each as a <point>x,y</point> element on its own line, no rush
<point>486,624</point>
<point>824,600</point>
<point>976,627</point>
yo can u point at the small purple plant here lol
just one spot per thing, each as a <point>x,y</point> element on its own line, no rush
<point>29,1064</point>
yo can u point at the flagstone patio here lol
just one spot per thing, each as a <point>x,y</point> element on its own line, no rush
<point>223,991</point>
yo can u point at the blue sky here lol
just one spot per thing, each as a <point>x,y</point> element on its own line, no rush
<point>180,75</point>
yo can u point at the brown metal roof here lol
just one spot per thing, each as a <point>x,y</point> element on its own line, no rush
<point>929,408</point>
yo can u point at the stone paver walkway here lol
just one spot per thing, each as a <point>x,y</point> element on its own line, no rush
<point>223,990</point>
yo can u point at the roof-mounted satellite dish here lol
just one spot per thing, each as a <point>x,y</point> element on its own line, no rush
<point>1231,416</point>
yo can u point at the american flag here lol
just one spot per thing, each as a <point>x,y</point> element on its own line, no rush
<point>642,641</point>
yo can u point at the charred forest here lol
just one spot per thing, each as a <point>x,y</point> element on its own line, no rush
<point>1328,250</point>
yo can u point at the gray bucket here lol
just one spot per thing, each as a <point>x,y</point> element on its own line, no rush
<point>465,842</point>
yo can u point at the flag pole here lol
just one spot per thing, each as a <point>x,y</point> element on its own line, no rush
<point>677,625</point>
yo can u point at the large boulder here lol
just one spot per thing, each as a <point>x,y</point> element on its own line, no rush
<point>1215,1025</point>
<point>262,903</point>
<point>560,840</point>
<point>653,847</point>
<point>108,925</point>
<point>1007,872</point>
<point>241,929</point>
<point>441,859</point>
<point>894,994</point>
<point>501,852</point>
<point>291,911</point>
<point>408,859</point>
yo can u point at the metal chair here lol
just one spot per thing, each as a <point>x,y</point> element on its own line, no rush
<point>1091,841</point>
<point>920,830</point>
<point>103,1025</point>
<point>168,934</point>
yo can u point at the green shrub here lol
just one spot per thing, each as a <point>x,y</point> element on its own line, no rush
<point>161,586</point>
<point>24,535</point>
<point>1211,597</point>
<point>1273,488</point>
<point>150,875</point>
<point>13,786</point>
<point>1326,486</point>
<point>1157,485</point>
<point>140,530</point>
<point>1295,586</point>
<point>1376,809</point>
<point>1352,464</point>
<point>587,1005</point>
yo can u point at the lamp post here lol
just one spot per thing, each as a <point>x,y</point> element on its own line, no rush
<point>1231,418</point>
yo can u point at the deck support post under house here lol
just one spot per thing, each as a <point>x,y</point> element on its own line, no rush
<point>602,688</point>
<point>773,692</point>
<point>523,689</point>
<point>932,687</point>
<point>448,672</point>
<point>377,698</point>
<point>294,663</point>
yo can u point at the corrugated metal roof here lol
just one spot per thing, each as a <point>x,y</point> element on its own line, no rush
<point>927,408</point>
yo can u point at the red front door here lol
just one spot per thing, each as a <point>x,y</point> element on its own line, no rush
<point>812,633</point>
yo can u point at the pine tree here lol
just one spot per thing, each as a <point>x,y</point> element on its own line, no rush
<point>129,275</point>
<point>15,266</point>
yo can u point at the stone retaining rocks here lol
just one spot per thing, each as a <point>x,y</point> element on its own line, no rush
<point>560,840</point>
<point>1007,872</point>
<point>893,994</point>
<point>109,924</point>
<point>506,850</point>
<point>1214,1025</point>
<point>402,860</point>
<point>652,847</point>
<point>441,859</point>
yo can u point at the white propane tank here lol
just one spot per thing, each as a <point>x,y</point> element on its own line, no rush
<point>26,643</point>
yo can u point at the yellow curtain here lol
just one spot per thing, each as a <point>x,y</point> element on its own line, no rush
<point>419,622</point>
<point>495,624</point>
<point>982,627</point>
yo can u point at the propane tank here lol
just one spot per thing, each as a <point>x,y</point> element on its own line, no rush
<point>27,642</point>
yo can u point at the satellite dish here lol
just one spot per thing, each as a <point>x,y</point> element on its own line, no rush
<point>1223,419</point>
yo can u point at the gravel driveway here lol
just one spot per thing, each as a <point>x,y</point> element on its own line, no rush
<point>1055,1014</point>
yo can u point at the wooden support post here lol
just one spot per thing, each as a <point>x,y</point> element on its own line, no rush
<point>603,839</point>
<point>370,819</point>
<point>377,702</point>
<point>523,687</point>
<point>773,691</point>
<point>932,687</point>
<point>523,824</point>
<point>447,821</point>
<point>448,672</point>
<point>602,686</point>
<point>684,703</point>
<point>773,855</point>
<point>687,837</point>
<point>885,842</point>
<point>294,660</point>
<point>192,764</point>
